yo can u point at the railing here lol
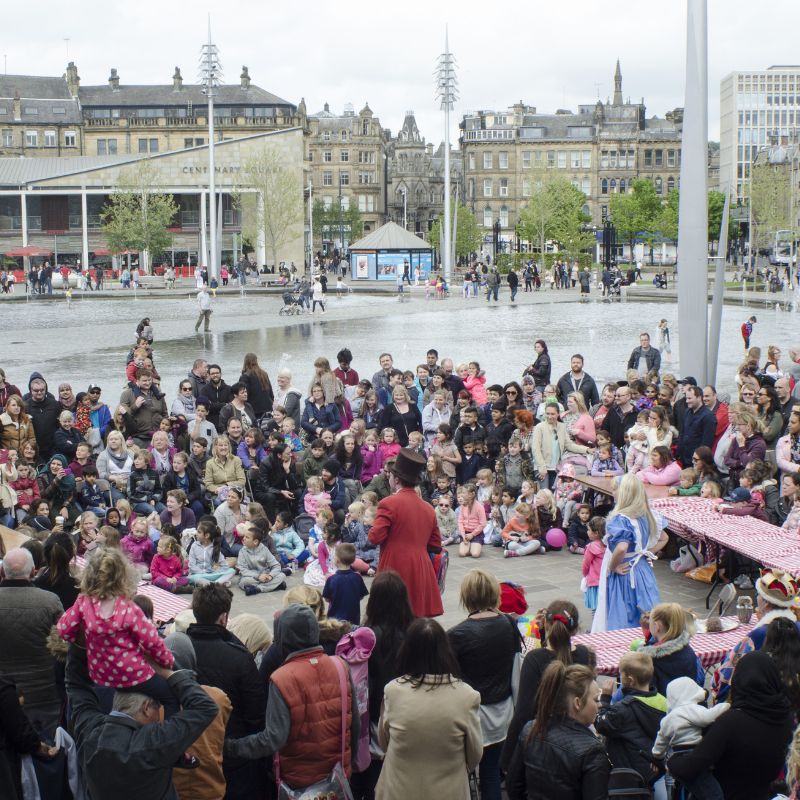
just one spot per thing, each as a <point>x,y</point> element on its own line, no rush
<point>190,219</point>
<point>187,121</point>
<point>103,123</point>
<point>93,221</point>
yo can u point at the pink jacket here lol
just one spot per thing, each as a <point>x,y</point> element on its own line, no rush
<point>583,430</point>
<point>311,502</point>
<point>592,561</point>
<point>115,644</point>
<point>783,455</point>
<point>669,476</point>
<point>388,451</point>
<point>170,567</point>
<point>139,551</point>
<point>476,386</point>
<point>471,520</point>
<point>373,463</point>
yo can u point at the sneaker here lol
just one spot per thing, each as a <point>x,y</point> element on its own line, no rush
<point>251,590</point>
<point>579,551</point>
<point>287,571</point>
<point>511,554</point>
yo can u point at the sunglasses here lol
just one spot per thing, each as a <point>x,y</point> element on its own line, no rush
<point>511,391</point>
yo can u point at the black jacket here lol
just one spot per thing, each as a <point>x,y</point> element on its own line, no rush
<point>652,358</point>
<point>66,441</point>
<point>44,416</point>
<point>497,436</point>
<point>587,387</point>
<point>17,738</point>
<point>258,397</point>
<point>144,486</point>
<point>217,396</point>
<point>540,370</point>
<point>118,756</point>
<point>672,659</point>
<point>617,424</point>
<point>170,482</point>
<point>629,726</point>
<point>697,428</point>
<point>567,763</point>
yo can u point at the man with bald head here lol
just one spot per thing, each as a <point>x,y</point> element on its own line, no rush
<point>784,391</point>
<point>26,616</point>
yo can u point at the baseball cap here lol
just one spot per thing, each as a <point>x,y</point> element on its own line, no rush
<point>739,495</point>
<point>688,379</point>
<point>93,387</point>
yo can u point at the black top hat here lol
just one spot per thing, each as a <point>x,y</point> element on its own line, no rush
<point>408,466</point>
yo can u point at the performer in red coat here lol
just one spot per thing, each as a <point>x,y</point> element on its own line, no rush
<point>406,530</point>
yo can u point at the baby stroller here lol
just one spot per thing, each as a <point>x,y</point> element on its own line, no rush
<point>292,305</point>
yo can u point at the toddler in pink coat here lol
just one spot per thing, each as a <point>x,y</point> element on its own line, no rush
<point>167,568</point>
<point>138,546</point>
<point>593,561</point>
<point>315,497</point>
<point>475,383</point>
<point>118,635</point>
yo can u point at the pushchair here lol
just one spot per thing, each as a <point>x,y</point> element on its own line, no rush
<point>292,304</point>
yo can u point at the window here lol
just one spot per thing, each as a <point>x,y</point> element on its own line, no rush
<point>59,110</point>
<point>622,185</point>
<point>366,157</point>
<point>31,138</point>
<point>670,158</point>
<point>551,158</point>
<point>199,141</point>
<point>526,187</point>
<point>604,159</point>
<point>487,160</point>
<point>503,217</point>
<point>586,159</point>
<point>188,142</point>
<point>344,202</point>
<point>670,184</point>
<point>648,158</point>
<point>503,187</point>
<point>537,158</point>
<point>327,179</point>
<point>487,187</point>
<point>487,217</point>
<point>365,177</point>
<point>344,155</point>
<point>503,157</point>
<point>326,136</point>
<point>562,159</point>
<point>8,138</point>
<point>327,157</point>
<point>344,136</point>
<point>659,158</point>
<point>586,186</point>
<point>31,111</point>
<point>344,179</point>
<point>472,161</point>
<point>50,139</point>
<point>526,160</point>
<point>613,186</point>
<point>142,145</point>
<point>659,186</point>
<point>575,159</point>
<point>604,186</point>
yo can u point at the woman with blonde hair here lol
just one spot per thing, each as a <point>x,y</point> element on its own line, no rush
<point>223,469</point>
<point>668,646</point>
<point>324,376</point>
<point>580,425</point>
<point>16,427</point>
<point>627,583</point>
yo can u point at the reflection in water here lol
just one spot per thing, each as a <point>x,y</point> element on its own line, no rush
<point>88,343</point>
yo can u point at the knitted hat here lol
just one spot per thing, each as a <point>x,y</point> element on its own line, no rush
<point>332,466</point>
<point>776,587</point>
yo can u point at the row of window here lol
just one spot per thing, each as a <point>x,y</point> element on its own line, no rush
<point>180,111</point>
<point>435,197</point>
<point>363,156</point>
<point>768,118</point>
<point>580,159</point>
<point>48,139</point>
<point>344,135</point>
<point>584,184</point>
<point>363,178</point>
<point>366,202</point>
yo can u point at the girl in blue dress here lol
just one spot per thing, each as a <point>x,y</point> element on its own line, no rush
<point>633,537</point>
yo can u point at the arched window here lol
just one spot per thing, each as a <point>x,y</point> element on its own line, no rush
<point>659,184</point>
<point>622,186</point>
<point>613,185</point>
<point>604,186</point>
<point>670,184</point>
<point>586,211</point>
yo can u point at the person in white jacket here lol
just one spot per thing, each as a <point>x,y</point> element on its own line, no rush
<point>682,729</point>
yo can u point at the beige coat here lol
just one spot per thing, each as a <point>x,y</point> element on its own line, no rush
<point>227,473</point>
<point>432,738</point>
<point>542,445</point>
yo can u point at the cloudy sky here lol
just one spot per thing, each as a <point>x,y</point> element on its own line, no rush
<point>547,54</point>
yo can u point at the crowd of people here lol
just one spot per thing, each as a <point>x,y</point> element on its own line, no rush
<point>259,487</point>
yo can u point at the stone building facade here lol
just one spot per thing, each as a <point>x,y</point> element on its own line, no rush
<point>601,149</point>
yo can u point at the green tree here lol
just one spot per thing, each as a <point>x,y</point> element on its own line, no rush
<point>136,217</point>
<point>716,205</point>
<point>468,235</point>
<point>636,214</point>
<point>668,220</point>
<point>271,201</point>
<point>328,221</point>
<point>769,194</point>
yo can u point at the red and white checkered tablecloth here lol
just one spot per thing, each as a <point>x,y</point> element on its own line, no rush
<point>610,646</point>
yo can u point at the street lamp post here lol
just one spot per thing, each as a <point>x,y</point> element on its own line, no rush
<point>447,92</point>
<point>210,75</point>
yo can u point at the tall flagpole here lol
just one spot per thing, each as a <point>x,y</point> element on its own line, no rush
<point>693,213</point>
<point>719,291</point>
<point>210,75</point>
<point>447,92</point>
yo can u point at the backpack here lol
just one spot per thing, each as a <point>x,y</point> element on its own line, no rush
<point>303,523</point>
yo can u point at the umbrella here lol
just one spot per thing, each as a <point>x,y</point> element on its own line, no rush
<point>21,252</point>
<point>102,251</point>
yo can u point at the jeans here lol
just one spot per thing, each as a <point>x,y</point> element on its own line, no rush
<point>513,293</point>
<point>146,509</point>
<point>489,772</point>
<point>491,291</point>
<point>229,550</point>
<point>300,559</point>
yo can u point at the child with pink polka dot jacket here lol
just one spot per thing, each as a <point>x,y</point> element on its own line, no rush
<point>118,635</point>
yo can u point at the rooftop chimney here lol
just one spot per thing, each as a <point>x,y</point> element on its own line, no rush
<point>245,77</point>
<point>113,80</point>
<point>17,106</point>
<point>177,80</point>
<point>73,79</point>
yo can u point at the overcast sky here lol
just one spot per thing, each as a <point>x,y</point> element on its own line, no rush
<point>547,54</point>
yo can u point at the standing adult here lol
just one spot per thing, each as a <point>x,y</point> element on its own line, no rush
<point>541,367</point>
<point>585,280</point>
<point>223,661</point>
<point>718,409</point>
<point>204,305</point>
<point>513,283</point>
<point>43,409</point>
<point>644,358</point>
<point>550,444</point>
<point>451,379</point>
<point>486,644</point>
<point>198,377</point>
<point>787,402</point>
<point>319,416</point>
<point>27,615</point>
<point>218,394</point>
<point>6,389</point>
<point>770,414</point>
<point>576,380</point>
<point>599,410</point>
<point>318,293</point>
<point>259,388</point>
<point>405,527</point>
<point>16,427</point>
<point>144,407</point>
<point>402,415</point>
<point>430,727</point>
<point>99,412</point>
<point>238,408</point>
<point>699,426</point>
<point>627,582</point>
<point>787,453</point>
<point>747,445</point>
<point>621,417</point>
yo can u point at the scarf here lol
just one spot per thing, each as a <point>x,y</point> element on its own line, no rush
<point>83,418</point>
<point>794,448</point>
<point>161,463</point>
<point>757,690</point>
<point>120,462</point>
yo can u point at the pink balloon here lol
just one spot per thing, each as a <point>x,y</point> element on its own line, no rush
<point>556,538</point>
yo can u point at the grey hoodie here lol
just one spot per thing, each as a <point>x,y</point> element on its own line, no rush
<point>683,725</point>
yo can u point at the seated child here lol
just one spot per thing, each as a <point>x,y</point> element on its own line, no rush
<point>416,442</point>
<point>513,468</point>
<point>493,532</point>
<point>740,503</point>
<point>568,492</point>
<point>289,436</point>
<point>688,486</point>
<point>484,482</point>
<point>118,635</point>
<point>527,492</point>
<point>345,588</point>
<point>593,560</point>
<point>577,534</point>
<point>138,546</point>
<point>320,569</point>
<point>631,724</point>
<point>371,456</point>
<point>27,489</point>
<point>711,490</point>
<point>522,533</point>
<point>548,513</point>
<point>167,568</point>
<point>605,465</point>
<point>314,459</point>
<point>355,532</point>
<point>637,448</point>
<point>682,728</point>
<point>315,496</point>
<point>292,552</point>
<point>317,533</point>
<point>792,521</point>
<point>257,567</point>
<point>389,447</point>
<point>443,488</point>
<point>446,519</point>
<point>206,564</point>
<point>91,497</point>
<point>604,438</point>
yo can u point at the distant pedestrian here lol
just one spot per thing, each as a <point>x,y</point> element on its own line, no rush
<point>747,331</point>
<point>585,279</point>
<point>204,303</point>
<point>317,295</point>
<point>513,283</point>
